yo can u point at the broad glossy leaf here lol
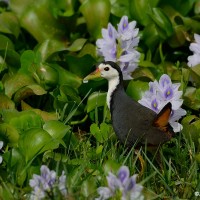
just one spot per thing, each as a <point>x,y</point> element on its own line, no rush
<point>195,73</point>
<point>5,43</point>
<point>96,100</point>
<point>192,98</point>
<point>13,156</point>
<point>35,141</point>
<point>9,24</point>
<point>37,19</point>
<point>77,45</point>
<point>100,133</point>
<point>71,94</point>
<point>56,129</point>
<point>15,82</point>
<point>181,6</point>
<point>23,120</point>
<point>179,36</point>
<point>80,66</point>
<point>162,21</point>
<point>66,77</point>
<point>96,132</point>
<point>51,46</point>
<point>29,61</point>
<point>88,49</point>
<point>96,14</point>
<point>9,134</point>
<point>27,91</point>
<point>136,89</point>
<point>137,9</point>
<point>12,59</point>
<point>152,31</point>
<point>120,7</point>
<point>191,128</point>
<point>46,116</point>
<point>47,76</point>
<point>5,102</point>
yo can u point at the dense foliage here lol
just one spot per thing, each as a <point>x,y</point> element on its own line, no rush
<point>49,116</point>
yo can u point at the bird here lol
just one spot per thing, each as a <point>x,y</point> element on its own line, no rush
<point>133,123</point>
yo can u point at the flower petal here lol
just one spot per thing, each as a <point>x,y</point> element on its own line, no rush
<point>104,193</point>
<point>1,144</point>
<point>113,182</point>
<point>123,174</point>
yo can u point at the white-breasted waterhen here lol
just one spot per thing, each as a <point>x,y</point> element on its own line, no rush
<point>132,122</point>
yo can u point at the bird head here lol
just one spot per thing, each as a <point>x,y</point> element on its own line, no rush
<point>108,70</point>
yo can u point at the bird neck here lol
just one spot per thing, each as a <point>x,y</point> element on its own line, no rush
<point>113,85</point>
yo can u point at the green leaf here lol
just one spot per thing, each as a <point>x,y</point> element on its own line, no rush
<point>195,73</point>
<point>56,129</point>
<point>15,82</point>
<point>66,77</point>
<point>191,128</point>
<point>162,21</point>
<point>69,94</point>
<point>9,134</point>
<point>50,46</point>
<point>37,19</point>
<point>95,131</point>
<point>137,9</point>
<point>5,43</point>
<point>88,187</point>
<point>34,142</point>
<point>119,7</point>
<point>100,133</point>
<point>12,59</point>
<point>136,89</point>
<point>105,130</point>
<point>47,76</point>
<point>77,45</point>
<point>96,14</point>
<point>46,116</point>
<point>9,24</point>
<point>23,120</point>
<point>151,36</point>
<point>28,61</point>
<point>192,98</point>
<point>27,91</point>
<point>179,37</point>
<point>6,103</point>
<point>96,100</point>
<point>80,66</point>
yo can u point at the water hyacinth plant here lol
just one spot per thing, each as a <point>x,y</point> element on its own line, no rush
<point>48,116</point>
<point>44,185</point>
<point>122,186</point>
<point>195,48</point>
<point>162,92</point>
<point>120,46</point>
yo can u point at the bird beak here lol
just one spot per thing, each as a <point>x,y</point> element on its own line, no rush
<point>93,75</point>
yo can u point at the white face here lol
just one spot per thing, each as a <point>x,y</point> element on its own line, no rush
<point>108,72</point>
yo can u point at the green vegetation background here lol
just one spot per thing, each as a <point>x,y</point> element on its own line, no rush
<point>48,116</point>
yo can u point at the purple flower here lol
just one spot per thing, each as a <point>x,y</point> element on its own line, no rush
<point>45,183</point>
<point>1,146</point>
<point>195,48</point>
<point>62,184</point>
<point>162,92</point>
<point>120,46</point>
<point>121,186</point>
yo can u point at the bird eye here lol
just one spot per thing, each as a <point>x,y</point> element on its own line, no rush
<point>106,68</point>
